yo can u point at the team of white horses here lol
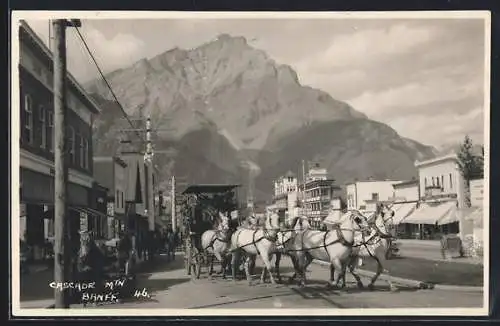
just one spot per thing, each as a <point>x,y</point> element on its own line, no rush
<point>354,238</point>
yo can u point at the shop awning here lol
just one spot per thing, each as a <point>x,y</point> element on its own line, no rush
<point>88,210</point>
<point>450,216</point>
<point>429,213</point>
<point>402,210</point>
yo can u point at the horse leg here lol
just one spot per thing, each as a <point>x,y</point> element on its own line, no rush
<point>247,272</point>
<point>341,280</point>
<point>263,276</point>
<point>277,266</point>
<point>235,259</point>
<point>211,268</point>
<point>335,271</point>
<point>295,269</point>
<point>267,263</point>
<point>352,268</point>
<point>380,269</point>
<point>219,259</point>
<point>223,265</point>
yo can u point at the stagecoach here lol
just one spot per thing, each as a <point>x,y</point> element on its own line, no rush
<point>202,204</point>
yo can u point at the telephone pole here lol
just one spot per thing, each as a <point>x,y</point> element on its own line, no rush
<point>174,206</point>
<point>62,268</point>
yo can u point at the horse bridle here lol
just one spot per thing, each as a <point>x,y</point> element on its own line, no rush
<point>377,229</point>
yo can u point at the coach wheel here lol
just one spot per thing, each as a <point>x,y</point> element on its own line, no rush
<point>187,259</point>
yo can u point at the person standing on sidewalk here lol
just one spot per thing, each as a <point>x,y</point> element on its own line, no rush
<point>124,251</point>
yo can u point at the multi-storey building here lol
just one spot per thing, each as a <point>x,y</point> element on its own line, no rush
<point>319,195</point>
<point>364,195</point>
<point>110,171</point>
<point>441,190</point>
<point>283,186</point>
<point>37,141</point>
<point>140,197</point>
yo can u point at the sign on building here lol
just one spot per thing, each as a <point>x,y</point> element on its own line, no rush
<point>476,192</point>
<point>84,222</point>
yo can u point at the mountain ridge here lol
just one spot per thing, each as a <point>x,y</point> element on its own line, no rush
<point>229,98</point>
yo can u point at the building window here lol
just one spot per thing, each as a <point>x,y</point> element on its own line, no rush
<point>375,196</point>
<point>117,199</point>
<point>85,153</point>
<point>121,195</point>
<point>50,133</point>
<point>425,182</point>
<point>43,126</point>
<point>28,124</point>
<point>442,181</point>
<point>72,144</point>
<point>451,181</point>
<point>82,151</point>
<point>437,182</point>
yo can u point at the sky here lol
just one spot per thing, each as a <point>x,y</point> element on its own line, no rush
<point>423,77</point>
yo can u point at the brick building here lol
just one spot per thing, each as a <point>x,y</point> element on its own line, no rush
<point>37,142</point>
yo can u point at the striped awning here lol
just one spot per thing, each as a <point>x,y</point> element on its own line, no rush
<point>402,210</point>
<point>433,213</point>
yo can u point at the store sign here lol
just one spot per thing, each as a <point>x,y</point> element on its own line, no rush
<point>84,223</point>
<point>111,209</point>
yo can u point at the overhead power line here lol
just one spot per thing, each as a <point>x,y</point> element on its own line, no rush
<point>106,81</point>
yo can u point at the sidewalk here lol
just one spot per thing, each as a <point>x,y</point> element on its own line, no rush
<point>35,291</point>
<point>430,250</point>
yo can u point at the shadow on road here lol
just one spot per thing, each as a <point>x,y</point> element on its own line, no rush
<point>35,286</point>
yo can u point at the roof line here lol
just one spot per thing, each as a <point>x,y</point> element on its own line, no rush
<point>50,55</point>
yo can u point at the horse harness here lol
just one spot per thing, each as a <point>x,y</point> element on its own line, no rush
<point>215,238</point>
<point>254,242</point>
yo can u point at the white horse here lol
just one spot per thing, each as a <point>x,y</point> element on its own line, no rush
<point>373,245</point>
<point>256,242</point>
<point>333,246</point>
<point>217,243</point>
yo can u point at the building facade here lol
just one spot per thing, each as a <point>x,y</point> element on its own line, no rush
<point>406,191</point>
<point>320,196</point>
<point>140,198</point>
<point>476,192</point>
<point>284,186</point>
<point>440,177</point>
<point>37,141</point>
<point>110,171</point>
<point>441,202</point>
<point>364,195</point>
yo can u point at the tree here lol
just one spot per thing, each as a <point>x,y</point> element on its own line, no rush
<point>470,165</point>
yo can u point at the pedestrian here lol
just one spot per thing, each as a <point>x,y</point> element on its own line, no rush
<point>124,252</point>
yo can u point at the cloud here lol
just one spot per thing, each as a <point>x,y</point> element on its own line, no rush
<point>411,73</point>
<point>441,128</point>
<point>416,96</point>
<point>364,47</point>
<point>111,53</point>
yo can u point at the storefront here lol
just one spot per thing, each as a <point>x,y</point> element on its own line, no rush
<point>431,220</point>
<point>37,202</point>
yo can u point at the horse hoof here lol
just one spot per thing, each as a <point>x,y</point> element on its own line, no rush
<point>371,287</point>
<point>360,286</point>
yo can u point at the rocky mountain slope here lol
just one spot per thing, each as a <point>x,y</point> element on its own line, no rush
<point>233,113</point>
